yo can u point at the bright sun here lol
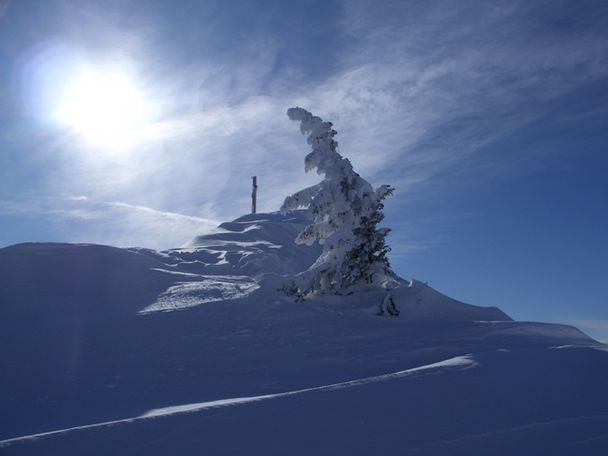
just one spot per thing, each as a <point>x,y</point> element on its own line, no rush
<point>105,107</point>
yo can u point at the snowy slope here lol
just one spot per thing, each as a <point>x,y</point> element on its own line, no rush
<point>472,405</point>
<point>136,347</point>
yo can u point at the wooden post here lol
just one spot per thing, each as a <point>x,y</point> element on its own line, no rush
<point>254,193</point>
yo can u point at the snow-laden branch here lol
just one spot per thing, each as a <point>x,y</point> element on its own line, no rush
<point>344,210</point>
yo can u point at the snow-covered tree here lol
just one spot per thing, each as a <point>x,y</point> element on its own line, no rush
<point>344,210</point>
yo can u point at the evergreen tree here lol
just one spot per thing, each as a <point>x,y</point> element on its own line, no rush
<point>344,210</point>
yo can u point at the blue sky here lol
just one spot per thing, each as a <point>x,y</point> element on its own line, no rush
<point>488,117</point>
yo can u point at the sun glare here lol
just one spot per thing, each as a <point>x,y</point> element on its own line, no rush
<point>105,107</point>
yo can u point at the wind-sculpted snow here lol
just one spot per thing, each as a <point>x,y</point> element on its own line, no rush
<point>230,263</point>
<point>460,362</point>
<point>209,289</point>
<point>475,405</point>
<point>90,333</point>
<point>252,244</point>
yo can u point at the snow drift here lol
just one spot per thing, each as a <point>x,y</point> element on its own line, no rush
<point>105,350</point>
<point>229,263</point>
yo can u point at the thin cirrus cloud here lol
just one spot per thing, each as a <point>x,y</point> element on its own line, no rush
<point>426,94</point>
<point>415,101</point>
<point>82,219</point>
<point>415,90</point>
<point>439,94</point>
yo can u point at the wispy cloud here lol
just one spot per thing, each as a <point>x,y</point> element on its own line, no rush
<point>417,92</point>
<point>81,219</point>
<point>410,101</point>
<point>428,87</point>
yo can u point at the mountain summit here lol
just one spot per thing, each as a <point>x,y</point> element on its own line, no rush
<point>195,348</point>
<point>248,255</point>
<point>269,336</point>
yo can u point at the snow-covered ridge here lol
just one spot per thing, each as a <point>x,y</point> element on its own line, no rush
<point>236,260</point>
<point>418,301</point>
<point>250,245</point>
<point>89,333</point>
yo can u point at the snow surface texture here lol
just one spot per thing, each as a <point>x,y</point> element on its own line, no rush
<point>460,362</point>
<point>192,350</point>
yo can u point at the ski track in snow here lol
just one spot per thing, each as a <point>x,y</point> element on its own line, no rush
<point>456,363</point>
